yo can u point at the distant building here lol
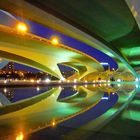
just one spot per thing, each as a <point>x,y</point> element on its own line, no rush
<point>9,67</point>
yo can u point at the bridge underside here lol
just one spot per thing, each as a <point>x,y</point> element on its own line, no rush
<point>111,29</point>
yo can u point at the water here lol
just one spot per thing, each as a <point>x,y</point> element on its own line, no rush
<point>39,109</point>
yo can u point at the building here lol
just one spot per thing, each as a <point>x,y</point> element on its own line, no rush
<point>9,67</point>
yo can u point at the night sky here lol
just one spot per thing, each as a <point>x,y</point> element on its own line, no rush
<point>46,32</point>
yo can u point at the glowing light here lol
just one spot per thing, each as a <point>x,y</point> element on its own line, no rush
<point>68,81</point>
<point>105,98</point>
<point>137,79</point>
<point>119,85</point>
<point>60,81</point>
<point>5,81</point>
<point>32,80</point>
<point>21,27</point>
<point>75,80</point>
<point>47,80</point>
<point>86,86</point>
<point>38,81</point>
<point>53,123</point>
<point>37,88</point>
<point>85,81</point>
<point>75,86</point>
<point>137,86</point>
<point>5,90</point>
<point>93,85</point>
<point>104,63</point>
<point>119,80</point>
<point>55,41</point>
<point>62,78</point>
<point>20,136</point>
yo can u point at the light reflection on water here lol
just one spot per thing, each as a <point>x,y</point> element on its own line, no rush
<point>20,93</point>
<point>68,101</point>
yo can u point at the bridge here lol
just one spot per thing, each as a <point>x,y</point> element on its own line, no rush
<point>110,27</point>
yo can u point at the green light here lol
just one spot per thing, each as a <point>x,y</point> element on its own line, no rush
<point>132,115</point>
<point>131,51</point>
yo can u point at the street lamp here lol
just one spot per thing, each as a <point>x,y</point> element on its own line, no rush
<point>22,27</point>
<point>54,40</point>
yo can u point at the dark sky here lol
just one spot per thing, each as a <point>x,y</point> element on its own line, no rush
<point>45,32</point>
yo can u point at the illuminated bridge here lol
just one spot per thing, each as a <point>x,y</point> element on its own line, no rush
<point>99,40</point>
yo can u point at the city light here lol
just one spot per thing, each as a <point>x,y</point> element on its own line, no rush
<point>85,81</point>
<point>5,90</point>
<point>37,88</point>
<point>74,86</point>
<point>5,81</point>
<point>104,98</point>
<point>32,80</point>
<point>38,81</point>
<point>53,123</point>
<point>137,79</point>
<point>104,63</point>
<point>68,81</point>
<point>75,80</point>
<point>137,86</point>
<point>20,136</point>
<point>21,27</point>
<point>55,41</point>
<point>119,80</point>
<point>62,78</point>
<point>47,80</point>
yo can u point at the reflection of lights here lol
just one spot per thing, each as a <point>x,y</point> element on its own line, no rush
<point>20,136</point>
<point>75,86</point>
<point>113,93</point>
<point>108,81</point>
<point>5,90</point>
<point>68,81</point>
<point>85,81</point>
<point>119,85</point>
<point>55,41</point>
<point>21,27</point>
<point>137,85</point>
<point>93,85</point>
<point>86,86</point>
<point>24,80</point>
<point>59,87</point>
<point>60,81</point>
<point>37,88</point>
<point>47,80</point>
